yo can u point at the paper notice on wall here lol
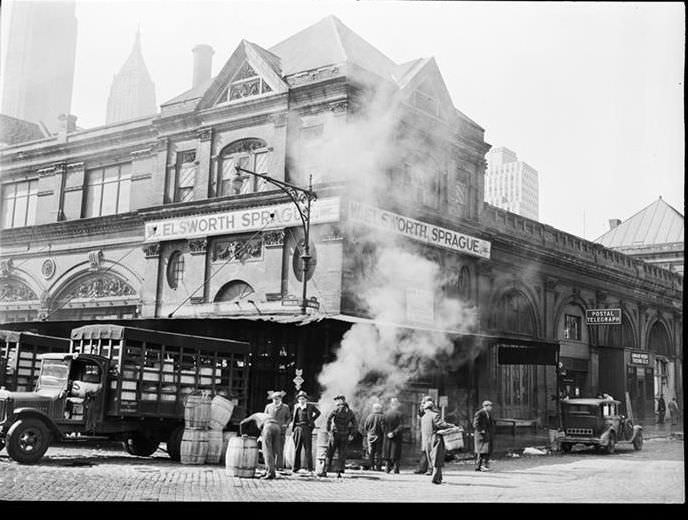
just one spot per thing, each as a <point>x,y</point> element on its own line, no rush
<point>420,306</point>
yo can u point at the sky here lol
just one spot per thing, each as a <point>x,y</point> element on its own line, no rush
<point>588,94</point>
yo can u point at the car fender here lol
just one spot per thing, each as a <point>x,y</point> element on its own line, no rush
<point>604,438</point>
<point>26,413</point>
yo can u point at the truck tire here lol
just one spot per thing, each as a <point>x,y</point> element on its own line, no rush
<point>2,444</point>
<point>28,440</point>
<point>611,447</point>
<point>174,443</point>
<point>140,445</point>
<point>566,447</point>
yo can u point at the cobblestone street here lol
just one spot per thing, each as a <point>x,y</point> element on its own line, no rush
<point>654,474</point>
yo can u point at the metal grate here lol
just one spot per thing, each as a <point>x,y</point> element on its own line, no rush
<point>579,431</point>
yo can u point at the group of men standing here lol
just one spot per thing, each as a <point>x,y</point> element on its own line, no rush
<point>382,435</point>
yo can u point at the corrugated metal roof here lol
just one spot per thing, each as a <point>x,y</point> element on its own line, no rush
<point>658,223</point>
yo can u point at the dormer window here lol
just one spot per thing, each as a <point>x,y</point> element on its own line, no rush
<point>245,83</point>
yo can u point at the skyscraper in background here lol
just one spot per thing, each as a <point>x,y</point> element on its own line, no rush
<point>132,93</point>
<point>38,76</point>
<point>511,184</point>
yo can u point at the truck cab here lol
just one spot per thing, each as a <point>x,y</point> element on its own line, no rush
<point>68,398</point>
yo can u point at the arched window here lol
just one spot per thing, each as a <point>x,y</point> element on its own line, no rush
<point>234,291</point>
<point>249,154</point>
<point>658,341</point>
<point>175,269</point>
<point>513,313</point>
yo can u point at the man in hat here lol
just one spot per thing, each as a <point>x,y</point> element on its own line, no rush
<point>269,431</point>
<point>394,426</point>
<point>279,411</point>
<point>484,432</point>
<point>302,424</point>
<point>374,427</point>
<point>340,424</point>
<point>432,442</point>
<point>423,460</point>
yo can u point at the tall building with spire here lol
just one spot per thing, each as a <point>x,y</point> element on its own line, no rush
<point>132,93</point>
<point>38,76</point>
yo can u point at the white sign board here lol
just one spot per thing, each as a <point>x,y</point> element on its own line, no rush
<point>240,221</point>
<point>417,230</point>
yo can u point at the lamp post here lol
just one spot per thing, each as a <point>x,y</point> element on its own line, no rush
<point>302,199</point>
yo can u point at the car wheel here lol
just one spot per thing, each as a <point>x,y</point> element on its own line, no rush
<point>611,447</point>
<point>140,445</point>
<point>566,447</point>
<point>174,443</point>
<point>638,442</point>
<point>28,440</point>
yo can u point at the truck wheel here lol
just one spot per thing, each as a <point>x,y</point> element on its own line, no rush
<point>2,444</point>
<point>174,443</point>
<point>611,447</point>
<point>140,445</point>
<point>638,442</point>
<point>28,440</point>
<point>566,447</point>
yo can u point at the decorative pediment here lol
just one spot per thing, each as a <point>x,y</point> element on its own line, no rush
<point>426,91</point>
<point>250,72</point>
<point>97,286</point>
<point>13,290</point>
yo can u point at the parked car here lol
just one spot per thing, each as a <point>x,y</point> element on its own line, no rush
<point>596,422</point>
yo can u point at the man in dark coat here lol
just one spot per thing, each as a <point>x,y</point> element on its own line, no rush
<point>374,427</point>
<point>340,424</point>
<point>394,426</point>
<point>661,409</point>
<point>302,424</point>
<point>433,442</point>
<point>484,432</point>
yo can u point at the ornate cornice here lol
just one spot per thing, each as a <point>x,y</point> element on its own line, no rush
<point>273,238</point>
<point>205,134</point>
<point>198,246</point>
<point>151,250</point>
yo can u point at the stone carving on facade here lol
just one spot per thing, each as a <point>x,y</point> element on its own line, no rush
<point>339,107</point>
<point>14,290</point>
<point>95,259</point>
<point>313,75</point>
<point>151,250</point>
<point>273,238</point>
<point>48,268</point>
<point>5,267</point>
<point>100,287</point>
<point>205,134</point>
<point>198,246</point>
<point>601,296</point>
<point>237,250</point>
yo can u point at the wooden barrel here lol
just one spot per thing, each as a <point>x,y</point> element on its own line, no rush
<point>453,438</point>
<point>225,443</point>
<point>290,451</point>
<point>197,410</point>
<point>194,446</point>
<point>220,412</point>
<point>242,456</point>
<point>321,443</point>
<point>214,446</point>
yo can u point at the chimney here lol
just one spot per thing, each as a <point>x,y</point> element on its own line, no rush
<point>67,125</point>
<point>203,63</point>
<point>613,222</point>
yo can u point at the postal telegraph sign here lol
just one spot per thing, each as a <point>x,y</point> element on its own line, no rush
<point>603,316</point>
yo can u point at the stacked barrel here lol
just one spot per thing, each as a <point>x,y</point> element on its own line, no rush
<point>194,445</point>
<point>220,412</point>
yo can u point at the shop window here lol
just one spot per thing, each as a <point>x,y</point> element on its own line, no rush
<point>175,269</point>
<point>572,327</point>
<point>249,154</point>
<point>107,190</point>
<point>19,203</point>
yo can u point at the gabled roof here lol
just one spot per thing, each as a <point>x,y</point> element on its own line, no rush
<point>330,42</point>
<point>658,223</point>
<point>14,131</point>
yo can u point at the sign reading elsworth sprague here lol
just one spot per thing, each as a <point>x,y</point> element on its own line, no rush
<point>603,316</point>
<point>251,219</point>
<point>428,233</point>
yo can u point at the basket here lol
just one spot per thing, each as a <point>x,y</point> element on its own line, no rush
<point>453,438</point>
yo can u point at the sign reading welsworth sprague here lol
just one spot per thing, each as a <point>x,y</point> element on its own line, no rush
<point>428,233</point>
<point>603,316</point>
<point>251,219</point>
